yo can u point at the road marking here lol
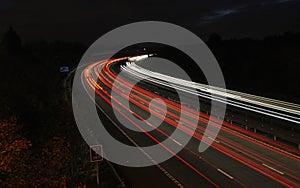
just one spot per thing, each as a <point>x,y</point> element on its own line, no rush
<point>177,142</point>
<point>213,139</point>
<point>273,169</point>
<point>156,110</point>
<point>226,174</point>
<point>172,178</point>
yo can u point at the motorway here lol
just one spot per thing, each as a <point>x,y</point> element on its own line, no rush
<point>254,103</point>
<point>236,158</point>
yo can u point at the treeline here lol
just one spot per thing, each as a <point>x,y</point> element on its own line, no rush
<point>31,84</point>
<point>268,67</point>
<point>32,94</point>
<point>40,143</point>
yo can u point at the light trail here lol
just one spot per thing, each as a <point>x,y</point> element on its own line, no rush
<point>141,98</point>
<point>253,103</point>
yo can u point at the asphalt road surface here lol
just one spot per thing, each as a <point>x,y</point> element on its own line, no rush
<point>236,158</point>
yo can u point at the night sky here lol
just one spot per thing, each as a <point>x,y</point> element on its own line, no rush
<point>85,21</point>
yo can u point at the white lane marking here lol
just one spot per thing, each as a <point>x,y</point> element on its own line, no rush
<point>177,142</point>
<point>156,110</point>
<point>266,144</point>
<point>226,174</point>
<point>213,139</point>
<point>172,178</point>
<point>273,169</point>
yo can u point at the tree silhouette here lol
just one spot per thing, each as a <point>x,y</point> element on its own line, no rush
<point>11,41</point>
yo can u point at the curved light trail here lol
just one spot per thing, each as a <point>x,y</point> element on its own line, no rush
<point>262,105</point>
<point>259,156</point>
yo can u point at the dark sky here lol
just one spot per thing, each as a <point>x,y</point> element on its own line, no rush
<point>86,20</point>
